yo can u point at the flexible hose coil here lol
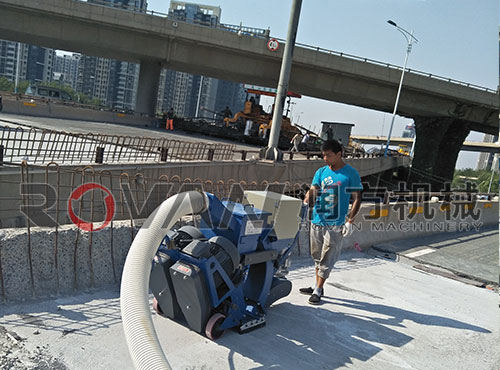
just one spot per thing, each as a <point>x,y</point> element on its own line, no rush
<point>142,340</point>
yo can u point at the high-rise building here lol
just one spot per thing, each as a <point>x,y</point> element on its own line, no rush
<point>230,94</point>
<point>35,63</point>
<point>133,5</point>
<point>486,159</point>
<point>93,77</point>
<point>193,95</point>
<point>8,59</point>
<point>40,62</point>
<point>195,13</point>
<point>66,69</point>
<point>123,81</point>
<point>113,82</point>
<point>409,131</point>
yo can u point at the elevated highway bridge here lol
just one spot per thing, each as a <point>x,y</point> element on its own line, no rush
<point>470,146</point>
<point>156,41</point>
<point>444,110</point>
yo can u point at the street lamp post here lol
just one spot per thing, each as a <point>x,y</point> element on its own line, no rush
<point>199,98</point>
<point>272,152</point>
<point>18,66</point>
<point>494,168</point>
<point>410,39</point>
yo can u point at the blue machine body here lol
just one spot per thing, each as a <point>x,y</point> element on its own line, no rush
<point>240,291</point>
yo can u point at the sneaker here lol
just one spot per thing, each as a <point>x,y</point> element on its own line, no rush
<point>307,291</point>
<point>314,299</point>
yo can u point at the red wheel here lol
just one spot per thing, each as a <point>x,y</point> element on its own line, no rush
<point>213,330</point>
<point>157,307</point>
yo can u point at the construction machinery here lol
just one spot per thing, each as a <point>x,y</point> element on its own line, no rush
<point>403,149</point>
<point>253,123</point>
<point>254,120</point>
<point>225,273</point>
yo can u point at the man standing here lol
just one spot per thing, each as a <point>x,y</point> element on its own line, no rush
<point>305,141</point>
<point>330,194</point>
<point>227,112</point>
<point>296,142</point>
<point>170,119</point>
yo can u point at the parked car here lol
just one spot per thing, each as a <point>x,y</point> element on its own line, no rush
<point>48,92</point>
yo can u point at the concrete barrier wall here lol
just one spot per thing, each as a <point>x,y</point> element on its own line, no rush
<point>142,177</point>
<point>43,108</point>
<point>384,224</point>
<point>47,261</point>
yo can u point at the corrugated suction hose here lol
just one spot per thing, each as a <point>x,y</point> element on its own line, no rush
<point>142,341</point>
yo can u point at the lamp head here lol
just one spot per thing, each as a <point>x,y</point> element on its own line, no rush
<point>392,23</point>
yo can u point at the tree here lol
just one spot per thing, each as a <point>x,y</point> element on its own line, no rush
<point>484,182</point>
<point>22,86</point>
<point>478,179</point>
<point>96,102</point>
<point>6,84</point>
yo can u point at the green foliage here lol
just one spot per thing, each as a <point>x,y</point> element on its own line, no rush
<point>6,85</point>
<point>22,86</point>
<point>85,99</point>
<point>479,179</point>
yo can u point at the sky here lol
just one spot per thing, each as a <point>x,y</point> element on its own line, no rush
<point>456,39</point>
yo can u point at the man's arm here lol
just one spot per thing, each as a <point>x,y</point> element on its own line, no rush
<point>311,194</point>
<point>356,204</point>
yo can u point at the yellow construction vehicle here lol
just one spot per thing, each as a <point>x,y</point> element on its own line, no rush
<point>256,114</point>
<point>403,149</point>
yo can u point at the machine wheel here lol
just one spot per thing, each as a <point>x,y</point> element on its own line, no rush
<point>157,307</point>
<point>213,330</point>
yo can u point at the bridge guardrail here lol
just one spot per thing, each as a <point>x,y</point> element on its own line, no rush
<point>41,146</point>
<point>389,65</point>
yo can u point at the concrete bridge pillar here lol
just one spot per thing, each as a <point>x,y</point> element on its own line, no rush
<point>437,146</point>
<point>147,90</point>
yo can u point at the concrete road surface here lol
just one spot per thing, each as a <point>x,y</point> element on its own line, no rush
<point>110,129</point>
<point>378,314</point>
<point>470,255</point>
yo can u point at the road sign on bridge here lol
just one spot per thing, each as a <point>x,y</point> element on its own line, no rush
<point>273,44</point>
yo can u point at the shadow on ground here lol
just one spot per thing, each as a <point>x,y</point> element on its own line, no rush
<point>80,315</point>
<point>298,337</point>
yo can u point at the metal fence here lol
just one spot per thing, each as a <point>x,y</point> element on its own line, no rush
<point>42,146</point>
<point>60,182</point>
<point>66,256</point>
